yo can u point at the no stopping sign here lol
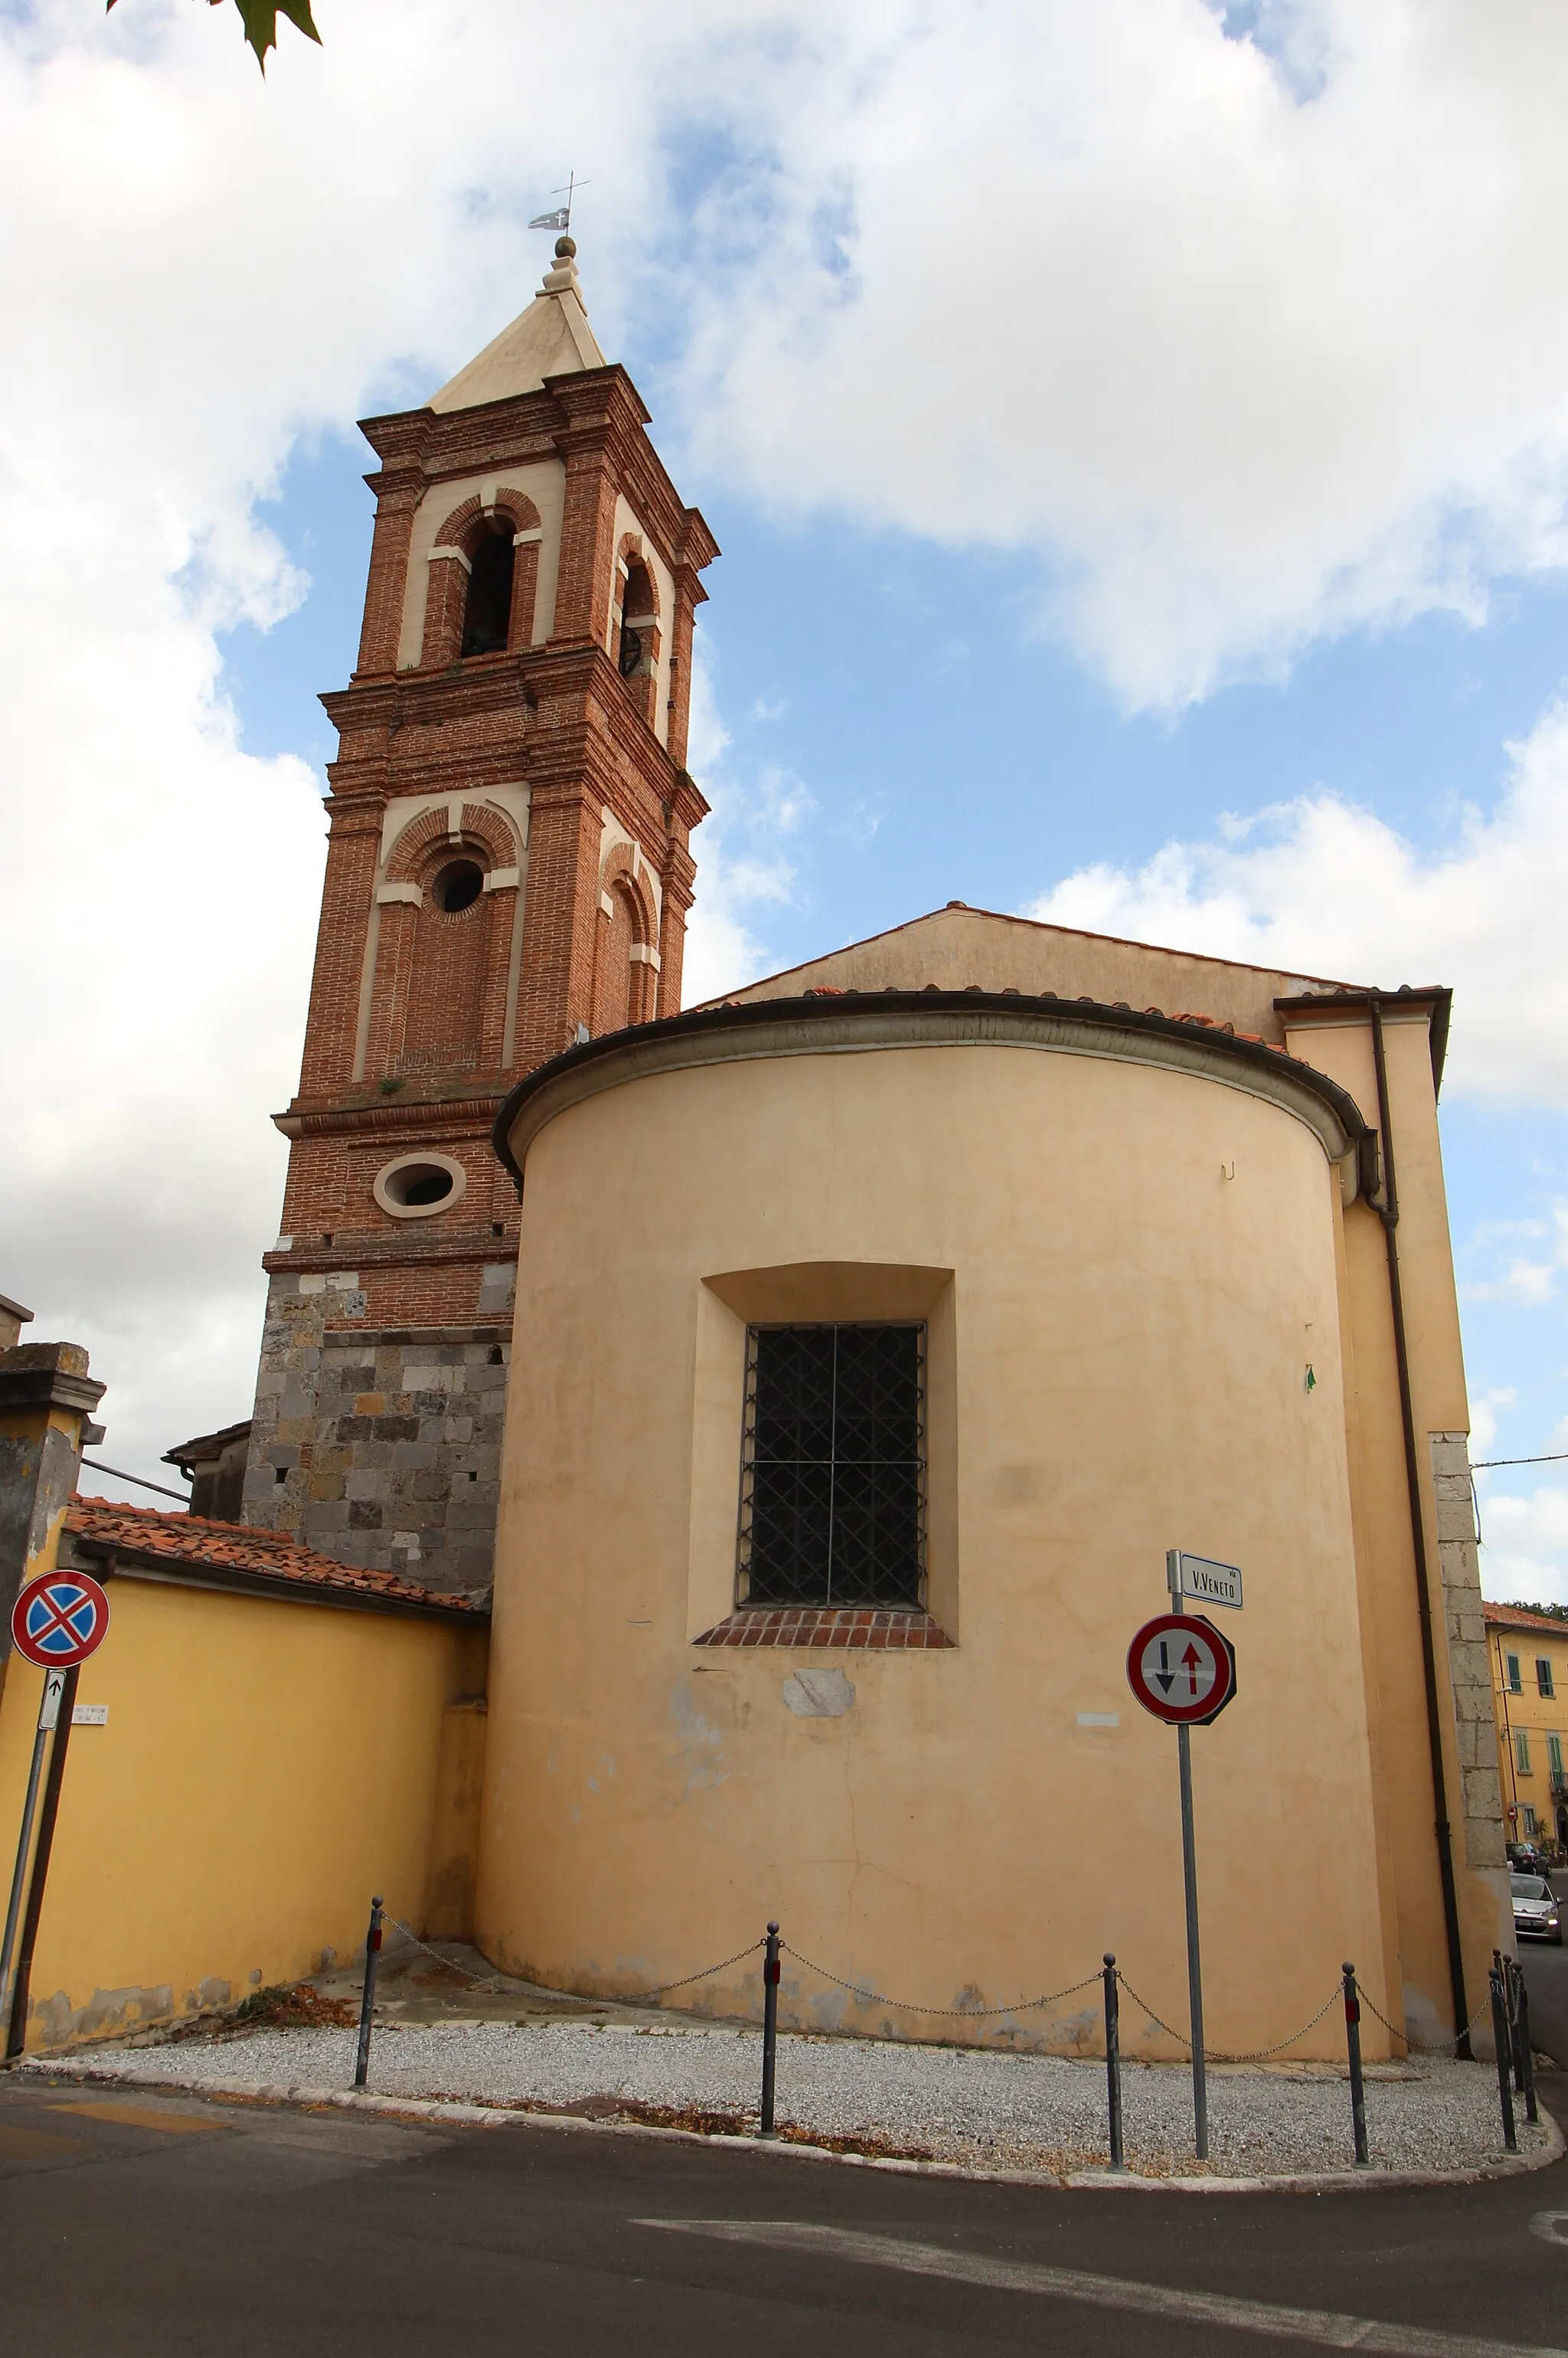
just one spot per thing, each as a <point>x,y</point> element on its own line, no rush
<point>60,1619</point>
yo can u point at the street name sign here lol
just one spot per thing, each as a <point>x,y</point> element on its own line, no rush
<point>59,1619</point>
<point>1182,1670</point>
<point>1199,1576</point>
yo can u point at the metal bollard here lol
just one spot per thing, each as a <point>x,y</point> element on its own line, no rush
<point>1500,2041</point>
<point>1357,2085</point>
<point>1524,2053</point>
<point>367,1995</point>
<point>1113,2056</point>
<point>1513,1977</point>
<point>770,2029</point>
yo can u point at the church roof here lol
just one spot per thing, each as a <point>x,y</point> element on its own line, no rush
<point>239,1557</point>
<point>551,338</point>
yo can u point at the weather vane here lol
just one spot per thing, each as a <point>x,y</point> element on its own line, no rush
<point>562,216</point>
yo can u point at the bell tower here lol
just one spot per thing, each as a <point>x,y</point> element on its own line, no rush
<point>508,872</point>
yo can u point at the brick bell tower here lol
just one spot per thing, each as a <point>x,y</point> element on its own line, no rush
<point>508,872</point>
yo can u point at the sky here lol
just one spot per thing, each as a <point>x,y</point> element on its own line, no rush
<point>1138,438</point>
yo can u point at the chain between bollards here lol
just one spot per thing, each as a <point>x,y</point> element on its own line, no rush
<point>1357,2085</point>
<point>1113,2057</point>
<point>1502,2043</point>
<point>367,1995</point>
<point>770,2029</point>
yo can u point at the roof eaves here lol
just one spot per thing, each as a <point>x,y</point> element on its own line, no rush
<point>1435,995</point>
<point>832,1001</point>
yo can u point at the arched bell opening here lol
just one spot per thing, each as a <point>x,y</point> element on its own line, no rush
<point>487,614</point>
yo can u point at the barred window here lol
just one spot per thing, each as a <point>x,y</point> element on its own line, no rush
<point>833,1466</point>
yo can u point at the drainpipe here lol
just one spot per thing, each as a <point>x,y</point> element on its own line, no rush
<point>1388,1211</point>
<point>1507,1730</point>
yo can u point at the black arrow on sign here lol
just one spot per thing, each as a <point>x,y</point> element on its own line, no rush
<point>1165,1676</point>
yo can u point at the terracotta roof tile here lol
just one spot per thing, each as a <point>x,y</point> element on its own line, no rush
<point>1519,1617</point>
<point>193,1541</point>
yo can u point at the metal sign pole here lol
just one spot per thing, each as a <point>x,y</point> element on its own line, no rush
<point>1194,1967</point>
<point>16,2035</point>
<point>48,1711</point>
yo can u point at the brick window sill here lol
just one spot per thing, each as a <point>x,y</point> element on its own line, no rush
<point>841,1629</point>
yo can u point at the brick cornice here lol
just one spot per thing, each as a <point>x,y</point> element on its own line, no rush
<point>419,1116</point>
<point>397,1251</point>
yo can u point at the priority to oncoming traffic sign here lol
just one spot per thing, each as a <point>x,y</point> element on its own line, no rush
<point>1182,1670</point>
<point>60,1619</point>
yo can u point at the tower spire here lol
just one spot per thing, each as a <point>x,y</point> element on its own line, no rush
<point>551,338</point>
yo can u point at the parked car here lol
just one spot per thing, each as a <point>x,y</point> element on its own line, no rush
<point>1536,1913</point>
<point>1527,1858</point>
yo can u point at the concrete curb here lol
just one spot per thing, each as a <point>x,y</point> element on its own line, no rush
<point>444,2110</point>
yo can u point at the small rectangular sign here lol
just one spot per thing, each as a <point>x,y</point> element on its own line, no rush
<point>90,1715</point>
<point>1205,1582</point>
<point>49,1702</point>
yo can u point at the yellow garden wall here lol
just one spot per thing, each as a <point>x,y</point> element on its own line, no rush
<point>266,1767</point>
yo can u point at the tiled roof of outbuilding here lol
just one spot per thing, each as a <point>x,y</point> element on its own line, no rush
<point>1519,1617</point>
<point>266,1562</point>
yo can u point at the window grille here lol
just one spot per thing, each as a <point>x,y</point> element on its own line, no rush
<point>1543,1675</point>
<point>833,1467</point>
<point>1530,1823</point>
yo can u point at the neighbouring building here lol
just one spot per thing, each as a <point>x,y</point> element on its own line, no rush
<point>214,1466</point>
<point>1530,1691</point>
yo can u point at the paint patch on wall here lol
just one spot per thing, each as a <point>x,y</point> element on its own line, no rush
<point>818,1693</point>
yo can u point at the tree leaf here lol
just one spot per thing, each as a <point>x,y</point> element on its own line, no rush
<point>260,17</point>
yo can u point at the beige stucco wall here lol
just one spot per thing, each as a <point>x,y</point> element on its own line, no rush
<point>1340,1045</point>
<point>1129,1270</point>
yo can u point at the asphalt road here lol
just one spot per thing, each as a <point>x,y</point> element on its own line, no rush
<point>134,2224</point>
<point>1546,1979</point>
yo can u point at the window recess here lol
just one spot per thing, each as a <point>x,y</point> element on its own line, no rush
<point>833,1487</point>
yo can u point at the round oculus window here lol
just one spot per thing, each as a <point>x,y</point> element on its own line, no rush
<point>458,885</point>
<point>416,1186</point>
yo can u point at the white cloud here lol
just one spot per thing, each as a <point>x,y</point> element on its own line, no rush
<point>1525,1558</point>
<point>1484,1416</point>
<point>1318,886</point>
<point>1242,362</point>
<point>741,870</point>
<point>1245,364</point>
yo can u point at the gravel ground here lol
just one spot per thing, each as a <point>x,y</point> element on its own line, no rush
<point>941,2103</point>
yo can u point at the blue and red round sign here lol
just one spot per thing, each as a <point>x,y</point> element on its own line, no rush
<point>60,1619</point>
